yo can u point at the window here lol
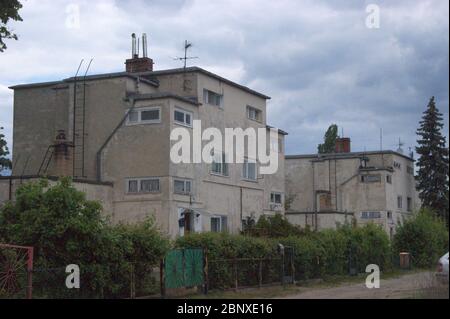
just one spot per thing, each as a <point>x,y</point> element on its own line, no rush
<point>275,198</point>
<point>253,113</point>
<point>142,185</point>
<point>183,117</point>
<point>133,186</point>
<point>370,215</point>
<point>249,170</point>
<point>219,165</point>
<point>409,204</point>
<point>212,98</point>
<point>149,185</point>
<point>370,178</point>
<point>389,215</point>
<point>219,224</point>
<point>399,202</point>
<point>276,145</point>
<point>182,186</point>
<point>397,165</point>
<point>145,115</point>
<point>389,179</point>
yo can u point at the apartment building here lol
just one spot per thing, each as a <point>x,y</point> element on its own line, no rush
<point>112,133</point>
<point>326,190</point>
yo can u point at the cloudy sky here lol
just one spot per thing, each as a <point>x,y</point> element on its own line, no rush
<point>318,60</point>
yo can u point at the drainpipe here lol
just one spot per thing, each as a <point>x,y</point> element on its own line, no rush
<point>99,153</point>
<point>240,201</point>
<point>314,196</point>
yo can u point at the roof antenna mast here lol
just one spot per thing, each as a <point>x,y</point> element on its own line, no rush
<point>187,45</point>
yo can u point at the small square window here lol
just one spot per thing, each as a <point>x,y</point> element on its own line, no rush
<point>149,185</point>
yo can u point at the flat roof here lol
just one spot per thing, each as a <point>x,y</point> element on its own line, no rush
<point>347,155</point>
<point>145,76</point>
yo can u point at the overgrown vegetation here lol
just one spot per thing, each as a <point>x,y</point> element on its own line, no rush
<point>5,162</point>
<point>64,228</point>
<point>9,10</point>
<point>325,253</point>
<point>424,236</point>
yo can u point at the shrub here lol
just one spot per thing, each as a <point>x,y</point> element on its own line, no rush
<point>64,228</point>
<point>273,227</point>
<point>424,236</point>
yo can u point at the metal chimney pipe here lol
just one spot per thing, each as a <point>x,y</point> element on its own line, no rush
<point>144,45</point>
<point>133,46</point>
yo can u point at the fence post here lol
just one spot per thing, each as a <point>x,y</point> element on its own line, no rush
<point>236,284</point>
<point>205,271</point>
<point>132,283</point>
<point>260,273</point>
<point>293,266</point>
<point>162,278</point>
<point>30,252</point>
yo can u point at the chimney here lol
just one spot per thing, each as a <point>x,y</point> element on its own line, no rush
<point>62,156</point>
<point>138,64</point>
<point>343,145</point>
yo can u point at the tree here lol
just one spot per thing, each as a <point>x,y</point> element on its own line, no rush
<point>65,228</point>
<point>5,163</point>
<point>329,140</point>
<point>9,10</point>
<point>433,162</point>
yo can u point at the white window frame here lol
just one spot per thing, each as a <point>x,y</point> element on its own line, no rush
<point>223,164</point>
<point>399,202</point>
<point>370,215</point>
<point>184,123</point>
<point>206,98</point>
<point>139,183</point>
<point>139,110</point>
<point>221,223</point>
<point>245,170</point>
<point>257,112</point>
<point>274,196</point>
<point>185,182</point>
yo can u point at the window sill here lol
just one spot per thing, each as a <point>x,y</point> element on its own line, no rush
<point>182,124</point>
<point>143,123</point>
<point>219,175</point>
<point>250,180</point>
<point>143,193</point>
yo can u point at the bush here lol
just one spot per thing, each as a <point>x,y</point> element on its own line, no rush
<point>424,236</point>
<point>273,227</point>
<point>64,228</point>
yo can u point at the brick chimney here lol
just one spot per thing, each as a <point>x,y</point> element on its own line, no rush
<point>343,145</point>
<point>62,155</point>
<point>139,64</point>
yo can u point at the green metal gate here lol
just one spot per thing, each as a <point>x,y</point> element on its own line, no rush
<point>183,268</point>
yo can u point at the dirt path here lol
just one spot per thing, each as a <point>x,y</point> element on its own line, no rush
<point>406,286</point>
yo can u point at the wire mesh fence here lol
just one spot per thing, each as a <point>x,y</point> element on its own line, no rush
<point>125,280</point>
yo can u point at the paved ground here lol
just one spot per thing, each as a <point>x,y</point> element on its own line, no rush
<point>417,285</point>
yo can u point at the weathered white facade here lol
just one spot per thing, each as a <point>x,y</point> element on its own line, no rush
<point>326,190</point>
<point>117,131</point>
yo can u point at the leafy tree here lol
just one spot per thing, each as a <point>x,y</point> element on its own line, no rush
<point>65,228</point>
<point>433,183</point>
<point>5,163</point>
<point>424,236</point>
<point>9,10</point>
<point>329,139</point>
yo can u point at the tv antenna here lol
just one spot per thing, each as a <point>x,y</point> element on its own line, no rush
<point>400,145</point>
<point>187,46</point>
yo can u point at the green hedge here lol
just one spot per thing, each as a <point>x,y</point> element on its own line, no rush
<point>424,236</point>
<point>328,252</point>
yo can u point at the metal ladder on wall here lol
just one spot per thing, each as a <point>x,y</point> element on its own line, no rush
<point>46,161</point>
<point>79,123</point>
